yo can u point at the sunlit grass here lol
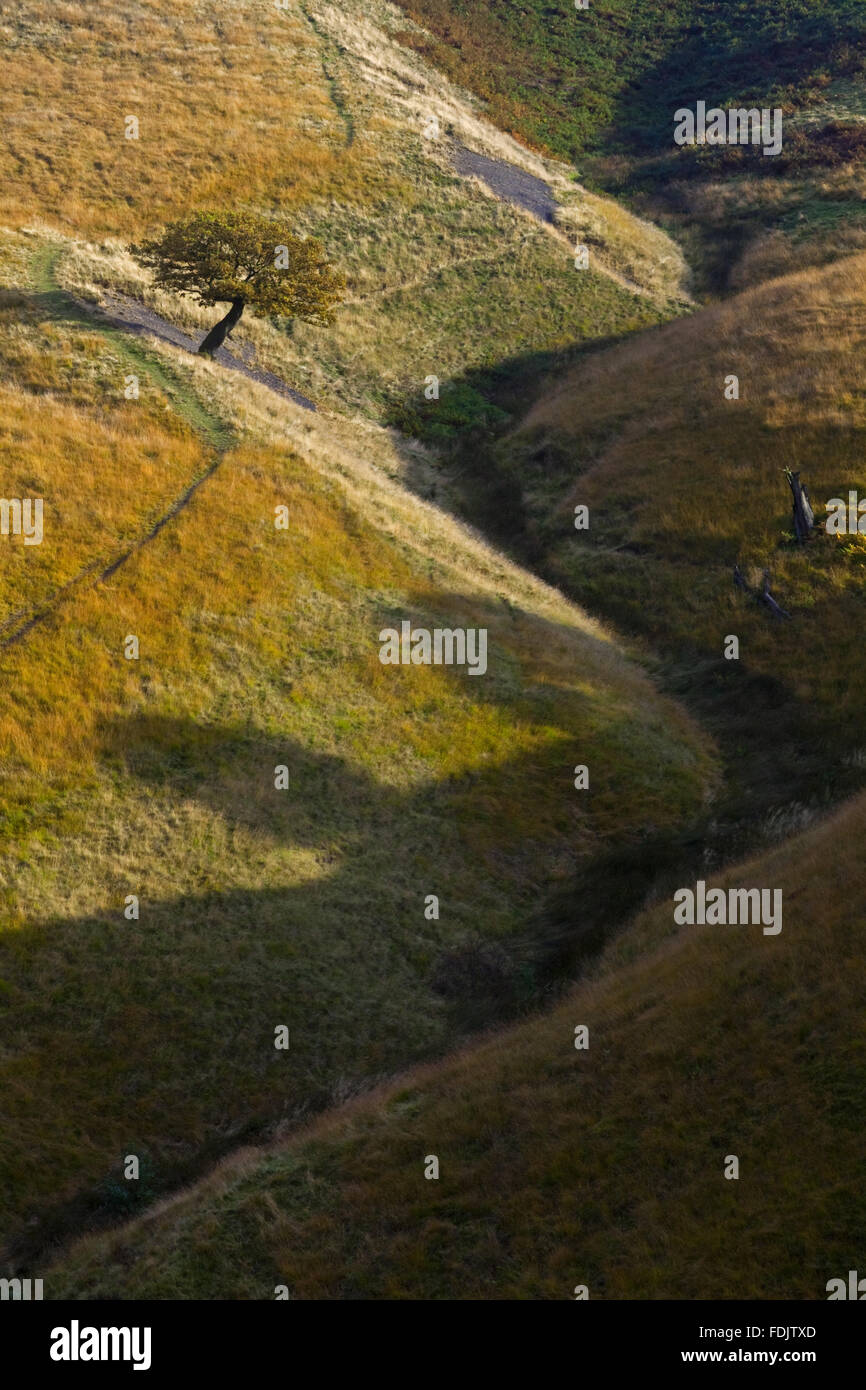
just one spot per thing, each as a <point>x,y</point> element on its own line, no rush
<point>155,777</point>
<point>692,483</point>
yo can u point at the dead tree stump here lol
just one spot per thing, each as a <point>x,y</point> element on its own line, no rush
<point>804,517</point>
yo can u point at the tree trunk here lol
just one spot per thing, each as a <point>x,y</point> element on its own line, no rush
<point>221,330</point>
<point>804,517</point>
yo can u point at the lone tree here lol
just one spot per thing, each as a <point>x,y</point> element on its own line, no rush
<point>243,259</point>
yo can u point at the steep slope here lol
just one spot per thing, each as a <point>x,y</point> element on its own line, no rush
<point>153,777</point>
<point>608,76</point>
<point>244,825</point>
<point>603,1167</point>
<point>682,484</point>
<point>316,111</point>
<point>600,87</point>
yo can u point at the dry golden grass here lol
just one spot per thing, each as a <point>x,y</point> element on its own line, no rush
<point>231,101</point>
<point>317,112</point>
<point>311,105</point>
<point>63,452</point>
<point>155,777</point>
<point>694,482</point>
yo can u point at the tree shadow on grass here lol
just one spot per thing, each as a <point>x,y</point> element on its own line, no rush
<point>155,1036</point>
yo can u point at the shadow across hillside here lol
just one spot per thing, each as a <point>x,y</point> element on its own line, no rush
<point>475,409</point>
<point>780,755</point>
<point>728,55</point>
<point>154,1036</point>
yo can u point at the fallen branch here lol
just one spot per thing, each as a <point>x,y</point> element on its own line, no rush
<point>761,595</point>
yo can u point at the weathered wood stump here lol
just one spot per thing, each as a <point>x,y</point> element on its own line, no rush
<point>804,517</point>
<point>762,595</point>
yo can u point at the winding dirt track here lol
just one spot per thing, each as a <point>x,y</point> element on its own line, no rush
<point>132,316</point>
<point>506,181</point>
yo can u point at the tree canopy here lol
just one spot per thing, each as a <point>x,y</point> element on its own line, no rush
<point>244,259</point>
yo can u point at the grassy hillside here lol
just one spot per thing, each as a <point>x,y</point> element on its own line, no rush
<point>600,88</point>
<point>315,111</point>
<point>611,76</point>
<point>69,422</point>
<point>682,484</point>
<point>560,1167</point>
<point>155,777</point>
